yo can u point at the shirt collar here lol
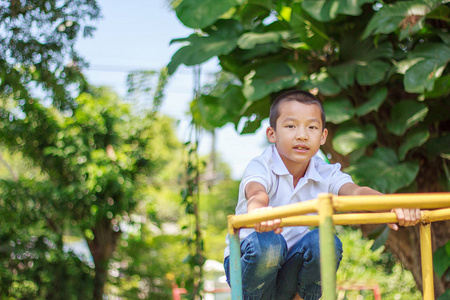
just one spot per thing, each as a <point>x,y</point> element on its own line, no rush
<point>279,168</point>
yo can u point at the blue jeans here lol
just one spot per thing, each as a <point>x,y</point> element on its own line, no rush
<point>269,271</point>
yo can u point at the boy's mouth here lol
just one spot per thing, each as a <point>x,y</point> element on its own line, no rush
<point>301,148</point>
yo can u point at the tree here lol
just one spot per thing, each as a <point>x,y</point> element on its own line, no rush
<point>39,55</point>
<point>380,68</point>
<point>94,163</point>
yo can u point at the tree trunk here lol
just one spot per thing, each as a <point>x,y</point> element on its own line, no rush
<point>102,247</point>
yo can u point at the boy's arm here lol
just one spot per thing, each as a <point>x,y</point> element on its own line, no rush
<point>258,200</point>
<point>405,216</point>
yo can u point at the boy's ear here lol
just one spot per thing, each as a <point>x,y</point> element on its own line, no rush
<point>323,138</point>
<point>270,132</point>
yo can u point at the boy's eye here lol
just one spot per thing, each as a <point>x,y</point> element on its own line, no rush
<point>290,126</point>
<point>312,127</point>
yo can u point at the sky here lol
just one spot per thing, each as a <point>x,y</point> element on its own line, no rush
<point>135,35</point>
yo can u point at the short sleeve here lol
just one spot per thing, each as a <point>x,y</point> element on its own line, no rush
<point>338,179</point>
<point>256,171</point>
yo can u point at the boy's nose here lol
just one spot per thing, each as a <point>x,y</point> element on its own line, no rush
<point>302,135</point>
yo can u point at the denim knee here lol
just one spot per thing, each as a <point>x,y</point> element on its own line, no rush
<point>262,255</point>
<point>312,242</point>
<point>267,248</point>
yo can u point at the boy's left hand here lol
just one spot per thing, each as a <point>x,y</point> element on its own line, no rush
<point>405,217</point>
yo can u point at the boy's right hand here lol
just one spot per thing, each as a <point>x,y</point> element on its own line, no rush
<point>270,225</point>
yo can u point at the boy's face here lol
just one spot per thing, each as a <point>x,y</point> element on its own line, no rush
<point>298,135</point>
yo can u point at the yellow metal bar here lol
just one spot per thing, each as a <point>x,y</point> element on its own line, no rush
<point>291,216</point>
<point>341,219</point>
<point>350,203</point>
<point>427,261</point>
<point>387,202</point>
<point>239,221</point>
<point>359,219</point>
<point>428,216</point>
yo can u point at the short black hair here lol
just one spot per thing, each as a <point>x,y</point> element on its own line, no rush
<point>294,95</point>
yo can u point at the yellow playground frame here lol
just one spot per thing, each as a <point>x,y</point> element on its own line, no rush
<point>435,207</point>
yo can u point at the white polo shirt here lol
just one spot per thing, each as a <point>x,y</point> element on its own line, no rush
<point>269,170</point>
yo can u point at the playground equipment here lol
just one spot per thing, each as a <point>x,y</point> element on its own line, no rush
<point>434,206</point>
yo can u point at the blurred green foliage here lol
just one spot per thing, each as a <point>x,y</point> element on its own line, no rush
<point>92,164</point>
<point>361,265</point>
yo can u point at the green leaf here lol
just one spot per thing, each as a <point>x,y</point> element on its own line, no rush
<point>400,14</point>
<point>338,110</point>
<point>269,78</point>
<point>255,113</point>
<point>264,3</point>
<point>252,39</point>
<point>365,63</point>
<point>376,98</point>
<point>431,59</point>
<point>413,139</point>
<point>441,88</point>
<point>260,51</point>
<point>445,295</point>
<point>233,100</point>
<point>383,172</point>
<point>251,125</point>
<point>208,112</point>
<point>326,85</point>
<point>327,10</point>
<point>441,259</point>
<point>372,72</point>
<point>310,31</point>
<point>213,112</point>
<point>440,13</point>
<point>344,74</point>
<point>381,238</point>
<point>352,136</point>
<point>199,14</point>
<point>201,48</point>
<point>405,114</point>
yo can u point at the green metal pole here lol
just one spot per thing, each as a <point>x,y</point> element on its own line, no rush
<point>327,249</point>
<point>235,267</point>
<point>235,261</point>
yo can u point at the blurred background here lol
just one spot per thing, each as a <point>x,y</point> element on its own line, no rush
<point>125,128</point>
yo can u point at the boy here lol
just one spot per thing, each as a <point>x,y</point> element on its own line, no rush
<point>277,263</point>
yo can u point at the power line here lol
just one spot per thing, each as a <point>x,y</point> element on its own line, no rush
<point>128,69</point>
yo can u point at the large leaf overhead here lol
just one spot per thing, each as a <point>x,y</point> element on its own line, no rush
<point>252,39</point>
<point>405,114</point>
<point>406,15</point>
<point>322,81</point>
<point>269,78</point>
<point>383,172</point>
<point>310,31</point>
<point>202,13</point>
<point>338,110</point>
<point>376,98</point>
<point>213,112</point>
<point>413,139</point>
<point>428,62</point>
<point>326,10</point>
<point>366,63</point>
<point>201,48</point>
<point>352,136</point>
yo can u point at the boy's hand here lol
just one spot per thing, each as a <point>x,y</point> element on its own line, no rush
<point>270,225</point>
<point>406,217</point>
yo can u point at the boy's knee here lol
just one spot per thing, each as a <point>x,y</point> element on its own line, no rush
<point>267,248</point>
<point>313,242</point>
